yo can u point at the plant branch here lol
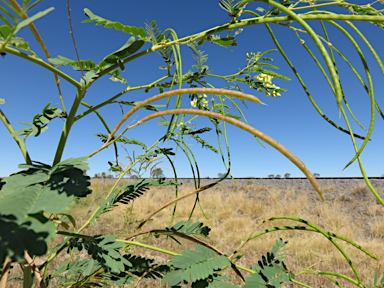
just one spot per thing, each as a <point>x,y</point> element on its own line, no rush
<point>253,131</point>
<point>73,38</point>
<point>183,91</point>
<point>31,263</point>
<point>68,125</point>
<point>5,272</point>
<point>19,142</point>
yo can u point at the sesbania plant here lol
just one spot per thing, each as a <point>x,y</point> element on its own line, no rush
<point>34,201</point>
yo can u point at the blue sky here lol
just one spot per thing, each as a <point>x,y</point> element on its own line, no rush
<point>290,119</point>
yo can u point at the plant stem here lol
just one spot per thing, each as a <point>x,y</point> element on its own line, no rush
<point>67,126</point>
<point>19,142</point>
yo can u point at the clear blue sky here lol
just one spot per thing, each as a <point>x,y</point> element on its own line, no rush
<point>290,119</point>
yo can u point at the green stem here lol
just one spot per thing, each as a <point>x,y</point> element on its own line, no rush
<point>243,23</point>
<point>301,80</point>
<point>326,234</point>
<point>316,6</point>
<point>105,125</point>
<point>167,251</point>
<point>19,142</point>
<point>299,283</point>
<point>337,87</point>
<point>43,64</point>
<point>305,229</point>
<point>68,125</point>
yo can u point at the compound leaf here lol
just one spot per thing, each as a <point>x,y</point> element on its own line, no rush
<point>195,265</point>
<point>189,227</point>
<point>104,250</point>
<point>138,32</point>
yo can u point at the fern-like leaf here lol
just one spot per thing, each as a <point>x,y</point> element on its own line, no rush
<point>231,6</point>
<point>123,139</point>
<point>271,270</point>
<point>156,37</point>
<point>199,57</point>
<point>129,192</point>
<point>204,143</point>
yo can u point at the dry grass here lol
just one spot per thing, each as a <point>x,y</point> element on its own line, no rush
<point>236,211</point>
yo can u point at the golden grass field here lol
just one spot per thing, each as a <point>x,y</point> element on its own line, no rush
<point>236,211</point>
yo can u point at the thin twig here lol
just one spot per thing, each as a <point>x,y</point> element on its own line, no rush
<point>36,271</point>
<point>175,200</point>
<point>73,38</point>
<point>5,272</point>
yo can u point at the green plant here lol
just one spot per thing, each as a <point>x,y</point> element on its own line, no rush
<point>34,201</point>
<point>287,175</point>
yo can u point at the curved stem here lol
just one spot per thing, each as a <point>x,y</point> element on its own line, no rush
<point>278,46</point>
<point>253,131</point>
<point>19,142</point>
<point>325,233</point>
<point>182,91</point>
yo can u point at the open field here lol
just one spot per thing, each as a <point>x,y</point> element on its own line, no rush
<point>236,211</point>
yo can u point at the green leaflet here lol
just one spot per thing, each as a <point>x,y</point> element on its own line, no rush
<point>87,79</point>
<point>129,48</point>
<point>195,265</point>
<point>138,32</point>
<point>231,6</point>
<point>29,20</point>
<point>5,31</point>
<point>86,65</point>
